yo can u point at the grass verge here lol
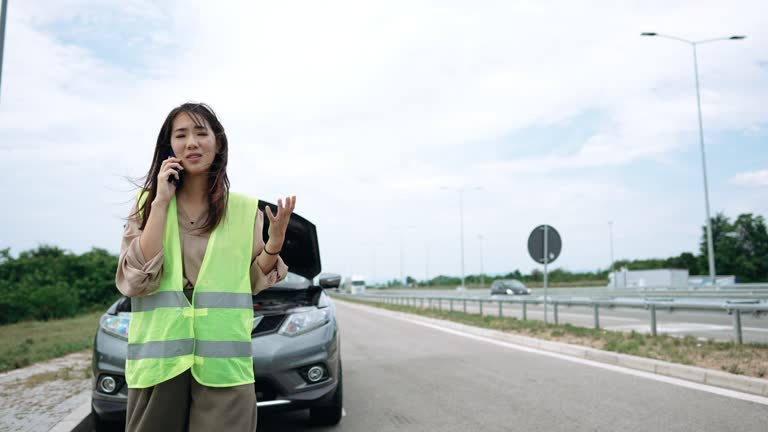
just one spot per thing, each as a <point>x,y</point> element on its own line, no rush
<point>28,342</point>
<point>747,359</point>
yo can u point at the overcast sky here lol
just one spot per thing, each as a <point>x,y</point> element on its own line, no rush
<point>558,110</point>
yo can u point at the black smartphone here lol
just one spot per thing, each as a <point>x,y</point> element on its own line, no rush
<point>172,179</point>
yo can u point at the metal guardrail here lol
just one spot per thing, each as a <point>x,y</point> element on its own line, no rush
<point>732,307</point>
<point>747,290</point>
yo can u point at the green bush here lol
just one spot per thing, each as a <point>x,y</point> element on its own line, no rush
<point>48,282</point>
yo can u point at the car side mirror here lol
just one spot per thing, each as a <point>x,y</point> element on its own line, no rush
<point>330,280</point>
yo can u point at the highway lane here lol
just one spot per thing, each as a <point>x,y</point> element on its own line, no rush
<point>401,376</point>
<point>701,324</point>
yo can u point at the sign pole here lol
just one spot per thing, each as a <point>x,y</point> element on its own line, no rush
<point>546,259</point>
<point>538,244</point>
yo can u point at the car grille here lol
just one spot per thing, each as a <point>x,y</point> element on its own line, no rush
<point>265,390</point>
<point>268,324</point>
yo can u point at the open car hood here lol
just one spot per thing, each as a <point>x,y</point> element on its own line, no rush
<point>301,251</point>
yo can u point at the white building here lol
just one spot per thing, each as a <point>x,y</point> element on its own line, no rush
<point>648,279</point>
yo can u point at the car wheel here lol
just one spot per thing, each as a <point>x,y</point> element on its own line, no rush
<point>331,414</point>
<point>101,425</point>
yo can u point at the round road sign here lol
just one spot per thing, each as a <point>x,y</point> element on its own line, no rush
<point>536,244</point>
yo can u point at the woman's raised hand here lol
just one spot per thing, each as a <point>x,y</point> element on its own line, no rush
<point>166,188</point>
<point>279,223</point>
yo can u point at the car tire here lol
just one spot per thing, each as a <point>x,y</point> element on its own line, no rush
<point>101,425</point>
<point>329,415</point>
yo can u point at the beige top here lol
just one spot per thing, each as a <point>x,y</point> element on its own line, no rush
<point>139,277</point>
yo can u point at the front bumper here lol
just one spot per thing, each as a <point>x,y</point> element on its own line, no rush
<point>277,363</point>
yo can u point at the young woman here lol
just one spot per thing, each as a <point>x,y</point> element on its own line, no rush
<point>192,256</point>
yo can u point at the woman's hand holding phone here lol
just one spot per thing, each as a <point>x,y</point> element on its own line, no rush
<point>169,175</point>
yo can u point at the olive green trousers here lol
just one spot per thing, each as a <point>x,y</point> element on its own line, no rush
<point>181,404</point>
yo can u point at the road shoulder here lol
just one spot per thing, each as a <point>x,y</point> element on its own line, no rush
<point>42,395</point>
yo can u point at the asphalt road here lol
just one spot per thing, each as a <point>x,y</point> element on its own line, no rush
<point>401,376</point>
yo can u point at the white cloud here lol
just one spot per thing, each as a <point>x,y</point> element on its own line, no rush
<point>365,110</point>
<point>752,178</point>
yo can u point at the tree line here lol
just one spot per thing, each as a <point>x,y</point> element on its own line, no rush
<point>741,249</point>
<point>49,282</point>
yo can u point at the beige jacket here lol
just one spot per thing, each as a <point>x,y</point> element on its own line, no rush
<point>139,277</point>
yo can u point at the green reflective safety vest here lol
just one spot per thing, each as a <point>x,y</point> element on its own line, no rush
<point>168,335</point>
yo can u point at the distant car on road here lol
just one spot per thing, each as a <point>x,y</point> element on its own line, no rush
<point>509,287</point>
<point>295,339</point>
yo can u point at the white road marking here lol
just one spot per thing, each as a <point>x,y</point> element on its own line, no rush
<point>343,412</point>
<point>672,327</point>
<point>682,328</point>
<point>585,316</point>
<point>674,381</point>
<point>668,327</point>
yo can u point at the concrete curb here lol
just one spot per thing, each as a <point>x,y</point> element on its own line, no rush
<point>755,386</point>
<point>78,420</point>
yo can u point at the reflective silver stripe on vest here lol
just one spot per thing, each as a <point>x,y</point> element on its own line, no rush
<point>163,349</point>
<point>158,300</point>
<point>223,349</point>
<point>224,300</point>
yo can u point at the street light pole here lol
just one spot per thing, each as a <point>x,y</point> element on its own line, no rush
<point>402,281</point>
<point>374,263</point>
<point>710,241</point>
<point>4,13</point>
<point>401,229</point>
<point>461,227</point>
<point>482,274</point>
<point>613,267</point>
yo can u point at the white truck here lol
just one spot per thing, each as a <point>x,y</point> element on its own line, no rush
<point>354,284</point>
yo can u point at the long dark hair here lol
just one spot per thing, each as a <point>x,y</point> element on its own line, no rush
<point>218,182</point>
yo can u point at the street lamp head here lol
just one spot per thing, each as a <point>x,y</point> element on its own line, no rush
<point>737,37</point>
<point>648,34</point>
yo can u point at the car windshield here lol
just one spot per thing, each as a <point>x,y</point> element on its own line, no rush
<point>513,284</point>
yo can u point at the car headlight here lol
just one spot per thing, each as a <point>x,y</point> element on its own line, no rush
<point>303,320</point>
<point>116,324</point>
